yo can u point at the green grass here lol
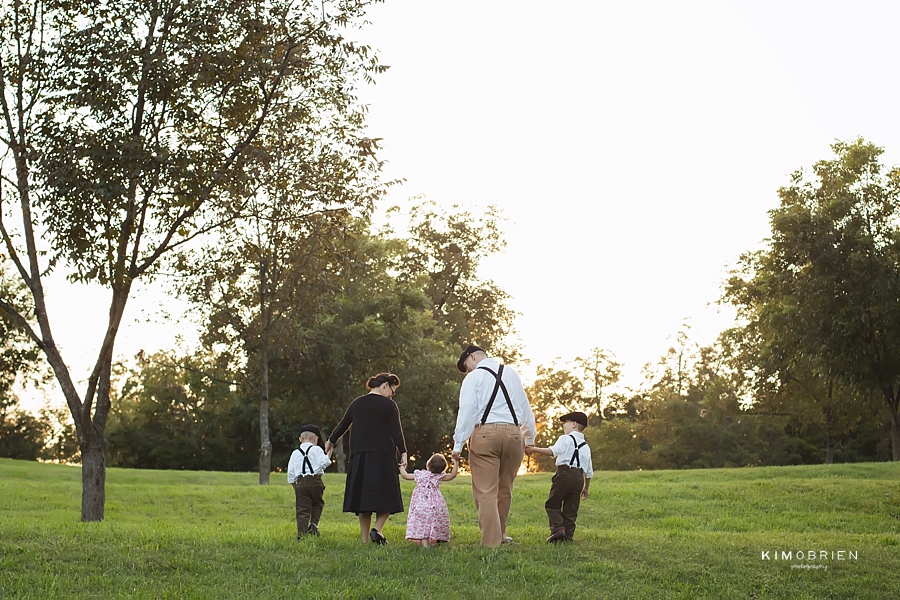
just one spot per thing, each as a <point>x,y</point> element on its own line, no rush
<point>661,534</point>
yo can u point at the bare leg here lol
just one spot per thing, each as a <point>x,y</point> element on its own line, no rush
<point>365,521</point>
<point>380,520</point>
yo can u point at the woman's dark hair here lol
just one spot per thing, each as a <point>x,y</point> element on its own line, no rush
<point>382,378</point>
<point>437,463</point>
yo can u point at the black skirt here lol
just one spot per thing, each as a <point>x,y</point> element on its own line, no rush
<point>373,484</point>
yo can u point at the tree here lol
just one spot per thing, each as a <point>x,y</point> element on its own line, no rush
<point>371,322</point>
<point>824,293</point>
<point>789,386</point>
<point>601,370</point>
<point>173,412</point>
<point>129,126</point>
<point>555,391</point>
<point>266,276</point>
<point>442,254</point>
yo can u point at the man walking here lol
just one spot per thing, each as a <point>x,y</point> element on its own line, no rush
<point>493,414</point>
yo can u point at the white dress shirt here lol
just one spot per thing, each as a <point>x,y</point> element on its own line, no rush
<point>317,458</point>
<point>564,448</point>
<point>475,394</point>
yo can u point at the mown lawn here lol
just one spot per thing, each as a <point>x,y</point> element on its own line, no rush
<point>663,534</point>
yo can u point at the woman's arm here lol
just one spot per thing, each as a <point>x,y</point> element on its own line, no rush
<point>453,472</point>
<point>406,475</point>
<point>397,432</point>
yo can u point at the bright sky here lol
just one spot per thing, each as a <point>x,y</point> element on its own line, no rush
<point>634,146</point>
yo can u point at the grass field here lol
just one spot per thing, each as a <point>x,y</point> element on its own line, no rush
<point>662,534</point>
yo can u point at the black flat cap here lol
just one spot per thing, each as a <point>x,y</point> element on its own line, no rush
<point>578,417</point>
<point>315,429</point>
<point>470,349</point>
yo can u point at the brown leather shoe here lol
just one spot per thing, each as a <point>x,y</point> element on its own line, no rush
<point>557,537</point>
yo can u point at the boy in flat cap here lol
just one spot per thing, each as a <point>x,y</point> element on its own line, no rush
<point>573,477</point>
<point>305,469</point>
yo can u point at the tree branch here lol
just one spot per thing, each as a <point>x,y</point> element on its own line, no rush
<point>21,322</point>
<point>11,249</point>
<point>164,246</point>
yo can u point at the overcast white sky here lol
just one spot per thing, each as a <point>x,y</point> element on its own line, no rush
<point>634,146</point>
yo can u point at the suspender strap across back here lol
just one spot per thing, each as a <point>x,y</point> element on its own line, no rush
<point>576,456</point>
<point>498,385</point>
<point>306,462</point>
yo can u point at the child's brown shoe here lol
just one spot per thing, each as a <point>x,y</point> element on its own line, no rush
<point>557,536</point>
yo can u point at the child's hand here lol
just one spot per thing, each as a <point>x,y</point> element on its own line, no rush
<point>455,459</point>
<point>529,450</point>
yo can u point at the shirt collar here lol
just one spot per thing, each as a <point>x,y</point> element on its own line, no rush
<point>489,362</point>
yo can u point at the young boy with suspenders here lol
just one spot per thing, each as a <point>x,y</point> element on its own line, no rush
<point>305,469</point>
<point>573,477</point>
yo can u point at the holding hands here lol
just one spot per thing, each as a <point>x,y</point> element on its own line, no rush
<point>529,450</point>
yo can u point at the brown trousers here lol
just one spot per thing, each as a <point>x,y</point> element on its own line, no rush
<point>565,498</point>
<point>495,455</point>
<point>310,494</point>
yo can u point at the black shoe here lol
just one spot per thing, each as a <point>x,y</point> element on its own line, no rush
<point>313,530</point>
<point>558,537</point>
<point>376,537</point>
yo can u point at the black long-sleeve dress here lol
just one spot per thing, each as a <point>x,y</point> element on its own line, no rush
<point>376,436</point>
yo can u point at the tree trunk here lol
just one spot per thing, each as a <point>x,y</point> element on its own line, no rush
<point>265,444</point>
<point>93,479</point>
<point>829,451</point>
<point>893,403</point>
<point>895,431</point>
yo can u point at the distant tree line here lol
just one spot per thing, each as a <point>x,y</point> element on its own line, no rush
<point>695,410</point>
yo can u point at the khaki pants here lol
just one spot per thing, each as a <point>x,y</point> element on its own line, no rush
<point>309,492</point>
<point>495,455</point>
<point>565,498</point>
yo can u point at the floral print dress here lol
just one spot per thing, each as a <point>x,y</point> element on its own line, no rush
<point>428,517</point>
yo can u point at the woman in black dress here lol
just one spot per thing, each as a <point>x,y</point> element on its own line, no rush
<point>373,483</point>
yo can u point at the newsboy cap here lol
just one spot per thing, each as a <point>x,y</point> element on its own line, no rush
<point>315,429</point>
<point>470,349</point>
<point>577,416</point>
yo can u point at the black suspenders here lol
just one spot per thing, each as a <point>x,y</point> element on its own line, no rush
<point>576,458</point>
<point>306,462</point>
<point>499,385</point>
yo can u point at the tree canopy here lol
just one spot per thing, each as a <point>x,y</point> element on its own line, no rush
<point>132,127</point>
<point>822,299</point>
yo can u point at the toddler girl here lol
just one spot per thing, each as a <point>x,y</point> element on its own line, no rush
<point>428,521</point>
